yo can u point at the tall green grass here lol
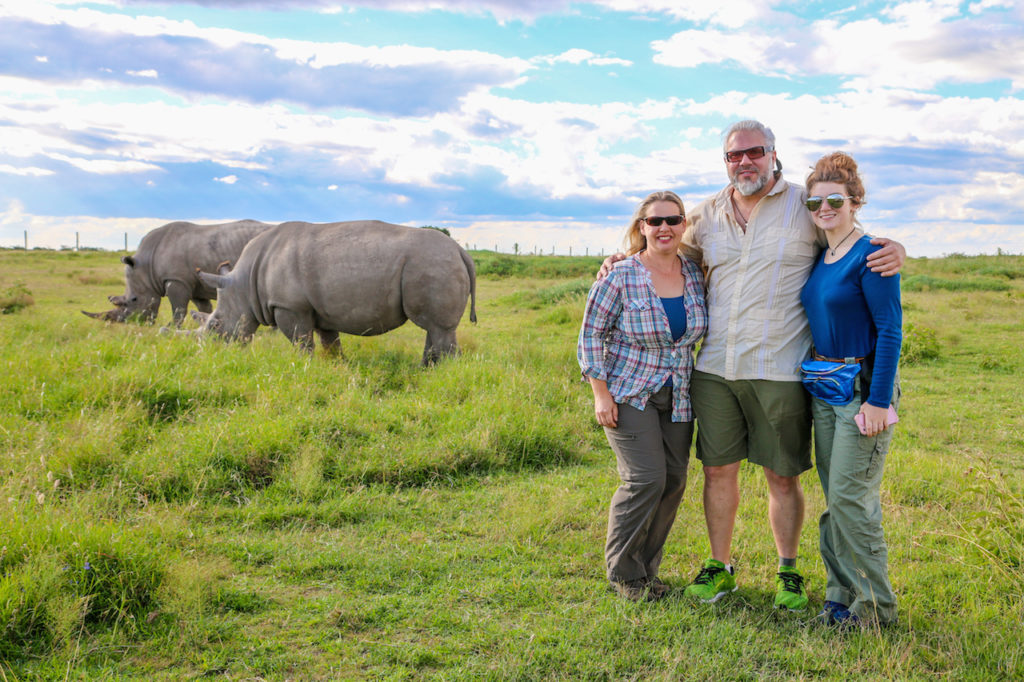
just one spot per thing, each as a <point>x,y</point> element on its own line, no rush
<point>172,509</point>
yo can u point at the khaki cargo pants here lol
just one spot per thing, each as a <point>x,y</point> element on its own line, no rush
<point>852,542</point>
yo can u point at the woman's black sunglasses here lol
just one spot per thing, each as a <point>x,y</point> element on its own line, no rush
<point>655,220</point>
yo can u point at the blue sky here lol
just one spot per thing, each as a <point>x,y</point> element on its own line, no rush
<point>535,123</point>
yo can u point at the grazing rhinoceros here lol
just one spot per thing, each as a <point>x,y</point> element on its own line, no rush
<point>362,277</point>
<point>166,263</point>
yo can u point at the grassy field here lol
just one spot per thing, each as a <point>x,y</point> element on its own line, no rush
<point>176,510</point>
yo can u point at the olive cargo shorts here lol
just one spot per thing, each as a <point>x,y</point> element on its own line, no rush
<point>764,422</point>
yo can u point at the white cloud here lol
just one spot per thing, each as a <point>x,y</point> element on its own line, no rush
<point>24,170</point>
<point>919,45</point>
<point>185,58</point>
<point>692,48</point>
<point>106,166</point>
<point>727,13</point>
<point>983,199</point>
<point>979,7</point>
<point>580,56</point>
<point>228,179</point>
<point>48,231</point>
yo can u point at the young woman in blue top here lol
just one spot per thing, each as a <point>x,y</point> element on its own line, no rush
<point>636,348</point>
<point>853,313</point>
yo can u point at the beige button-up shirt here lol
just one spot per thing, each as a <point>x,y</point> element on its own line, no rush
<point>757,328</point>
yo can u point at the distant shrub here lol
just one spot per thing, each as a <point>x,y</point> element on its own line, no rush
<point>15,298</point>
<point>499,266</point>
<point>929,283</point>
<point>439,229</point>
<point>1002,271</point>
<point>493,264</point>
<point>919,343</point>
<point>549,296</point>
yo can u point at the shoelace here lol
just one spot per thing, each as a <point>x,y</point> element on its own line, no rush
<point>791,582</point>
<point>707,574</point>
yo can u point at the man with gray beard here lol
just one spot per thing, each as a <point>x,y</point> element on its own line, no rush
<point>757,243</point>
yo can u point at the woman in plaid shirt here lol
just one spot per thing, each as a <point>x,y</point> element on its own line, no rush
<point>636,348</point>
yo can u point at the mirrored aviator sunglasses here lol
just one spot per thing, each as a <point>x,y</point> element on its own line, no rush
<point>656,220</point>
<point>834,200</point>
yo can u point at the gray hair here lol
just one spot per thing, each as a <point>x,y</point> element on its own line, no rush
<point>750,124</point>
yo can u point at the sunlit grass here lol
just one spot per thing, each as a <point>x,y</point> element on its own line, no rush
<point>172,509</point>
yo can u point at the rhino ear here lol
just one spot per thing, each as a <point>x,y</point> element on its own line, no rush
<point>212,280</point>
<point>127,260</point>
<point>224,268</point>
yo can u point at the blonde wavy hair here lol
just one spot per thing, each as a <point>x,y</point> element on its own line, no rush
<point>635,241</point>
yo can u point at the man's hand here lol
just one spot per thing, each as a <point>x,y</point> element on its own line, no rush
<point>606,266</point>
<point>888,260</point>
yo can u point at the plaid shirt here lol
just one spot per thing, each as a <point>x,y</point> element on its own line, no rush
<point>626,341</point>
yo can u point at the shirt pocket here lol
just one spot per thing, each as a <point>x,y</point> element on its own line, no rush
<point>720,248</point>
<point>641,321</point>
<point>792,249</point>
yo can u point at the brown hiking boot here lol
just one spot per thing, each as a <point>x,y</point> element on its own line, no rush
<point>641,589</point>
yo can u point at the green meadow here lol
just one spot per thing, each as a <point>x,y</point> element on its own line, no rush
<point>175,509</point>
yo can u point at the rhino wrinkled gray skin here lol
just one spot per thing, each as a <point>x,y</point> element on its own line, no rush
<point>167,262</point>
<point>362,277</point>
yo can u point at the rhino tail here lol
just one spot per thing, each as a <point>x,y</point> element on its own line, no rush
<point>471,269</point>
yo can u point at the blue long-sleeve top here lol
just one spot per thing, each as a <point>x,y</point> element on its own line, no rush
<point>853,311</point>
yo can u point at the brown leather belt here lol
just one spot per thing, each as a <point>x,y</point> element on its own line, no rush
<point>845,361</point>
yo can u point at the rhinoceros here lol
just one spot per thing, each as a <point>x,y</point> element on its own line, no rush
<point>166,264</point>
<point>363,277</point>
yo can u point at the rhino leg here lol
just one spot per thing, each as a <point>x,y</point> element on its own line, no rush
<point>329,341</point>
<point>297,327</point>
<point>440,343</point>
<point>203,305</point>
<point>179,295</point>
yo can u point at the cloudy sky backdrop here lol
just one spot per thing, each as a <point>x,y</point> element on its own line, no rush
<point>532,122</point>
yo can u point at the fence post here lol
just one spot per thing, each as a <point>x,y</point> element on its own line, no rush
<point>76,241</point>
<point>26,240</point>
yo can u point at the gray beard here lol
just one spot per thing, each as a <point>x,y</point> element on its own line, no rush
<point>752,187</point>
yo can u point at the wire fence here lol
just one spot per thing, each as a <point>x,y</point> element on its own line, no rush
<point>514,250</point>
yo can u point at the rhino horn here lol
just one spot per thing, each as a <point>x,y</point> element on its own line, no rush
<point>212,280</point>
<point>118,300</point>
<point>115,315</point>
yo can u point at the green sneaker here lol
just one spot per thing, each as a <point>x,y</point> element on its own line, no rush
<point>712,583</point>
<point>789,589</point>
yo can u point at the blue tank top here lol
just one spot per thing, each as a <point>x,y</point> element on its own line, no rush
<point>676,312</point>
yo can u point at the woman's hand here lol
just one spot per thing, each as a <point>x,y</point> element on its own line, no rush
<point>875,419</point>
<point>605,409</point>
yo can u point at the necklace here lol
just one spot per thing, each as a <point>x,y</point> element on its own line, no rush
<point>740,218</point>
<point>832,249</point>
